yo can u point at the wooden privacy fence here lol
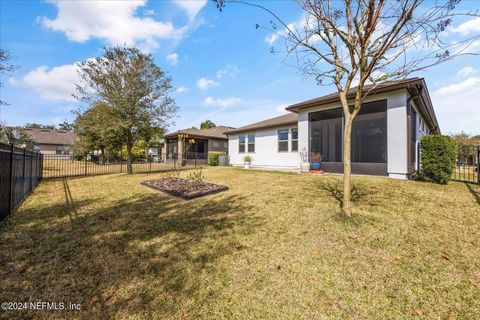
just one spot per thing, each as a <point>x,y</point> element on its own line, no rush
<point>20,171</point>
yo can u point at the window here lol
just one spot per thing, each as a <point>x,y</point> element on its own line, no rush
<point>283,140</point>
<point>241,143</point>
<point>294,139</point>
<point>251,142</point>
<point>216,144</point>
<point>62,150</point>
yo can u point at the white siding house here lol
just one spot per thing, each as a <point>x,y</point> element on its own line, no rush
<point>384,140</point>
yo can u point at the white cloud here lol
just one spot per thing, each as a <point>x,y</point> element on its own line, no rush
<point>221,102</point>
<point>192,8</point>
<point>470,26</point>
<point>467,71</point>
<point>467,84</point>
<point>57,83</point>
<point>172,58</point>
<point>181,89</point>
<point>457,106</point>
<point>230,70</point>
<point>12,81</point>
<point>114,22</point>
<point>204,83</point>
<point>271,38</point>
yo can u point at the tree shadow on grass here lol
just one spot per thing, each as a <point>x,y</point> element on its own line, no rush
<point>145,255</point>
<point>359,192</point>
<point>336,190</point>
<point>475,193</point>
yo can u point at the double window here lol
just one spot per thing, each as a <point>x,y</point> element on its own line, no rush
<point>241,143</point>
<point>283,139</point>
<point>251,142</point>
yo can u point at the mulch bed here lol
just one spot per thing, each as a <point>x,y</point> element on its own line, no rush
<point>184,188</point>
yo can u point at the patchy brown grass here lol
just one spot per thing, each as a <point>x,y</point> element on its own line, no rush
<point>272,246</point>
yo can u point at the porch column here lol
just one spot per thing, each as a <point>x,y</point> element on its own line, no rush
<point>397,135</point>
<point>181,150</point>
<point>303,144</point>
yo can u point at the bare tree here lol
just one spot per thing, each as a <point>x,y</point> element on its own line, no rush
<point>366,43</point>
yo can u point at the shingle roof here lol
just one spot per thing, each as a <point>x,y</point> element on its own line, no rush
<point>47,136</point>
<point>334,97</point>
<point>217,132</point>
<point>287,119</point>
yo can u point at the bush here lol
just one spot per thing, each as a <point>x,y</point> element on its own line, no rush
<point>438,156</point>
<point>213,158</point>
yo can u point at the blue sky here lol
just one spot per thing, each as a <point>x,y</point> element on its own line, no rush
<point>220,64</point>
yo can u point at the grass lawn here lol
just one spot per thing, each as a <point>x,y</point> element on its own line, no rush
<point>271,247</point>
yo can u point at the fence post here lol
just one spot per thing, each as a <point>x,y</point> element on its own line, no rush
<point>85,164</point>
<point>478,164</point>
<point>31,170</point>
<point>150,164</point>
<point>41,165</point>
<point>24,168</point>
<point>12,167</point>
<point>121,165</point>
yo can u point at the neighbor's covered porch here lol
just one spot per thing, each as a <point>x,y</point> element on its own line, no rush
<point>187,147</point>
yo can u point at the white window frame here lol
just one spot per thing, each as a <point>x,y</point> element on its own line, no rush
<point>288,140</point>
<point>292,140</point>
<point>248,142</point>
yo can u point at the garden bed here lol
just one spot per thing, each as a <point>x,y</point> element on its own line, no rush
<point>184,188</point>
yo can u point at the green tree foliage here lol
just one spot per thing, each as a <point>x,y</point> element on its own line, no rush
<point>467,144</point>
<point>135,91</point>
<point>207,125</point>
<point>437,158</point>
<point>17,136</point>
<point>97,130</point>
<point>65,126</point>
<point>40,126</point>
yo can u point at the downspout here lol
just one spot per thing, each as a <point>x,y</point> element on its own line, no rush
<point>409,112</point>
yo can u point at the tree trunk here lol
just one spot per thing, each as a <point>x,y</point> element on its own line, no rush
<point>347,166</point>
<point>102,150</point>
<point>129,158</point>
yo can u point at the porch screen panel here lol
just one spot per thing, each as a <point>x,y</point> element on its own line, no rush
<point>326,134</point>
<point>369,133</point>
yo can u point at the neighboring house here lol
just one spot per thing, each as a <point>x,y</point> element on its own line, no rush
<point>178,146</point>
<point>385,133</point>
<point>52,141</point>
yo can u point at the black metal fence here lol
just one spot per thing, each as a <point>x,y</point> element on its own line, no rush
<point>59,166</point>
<point>468,165</point>
<point>20,171</point>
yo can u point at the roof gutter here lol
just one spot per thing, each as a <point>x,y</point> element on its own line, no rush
<point>420,95</point>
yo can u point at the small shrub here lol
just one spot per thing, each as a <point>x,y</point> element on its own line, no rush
<point>247,159</point>
<point>438,156</point>
<point>213,158</point>
<point>196,176</point>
